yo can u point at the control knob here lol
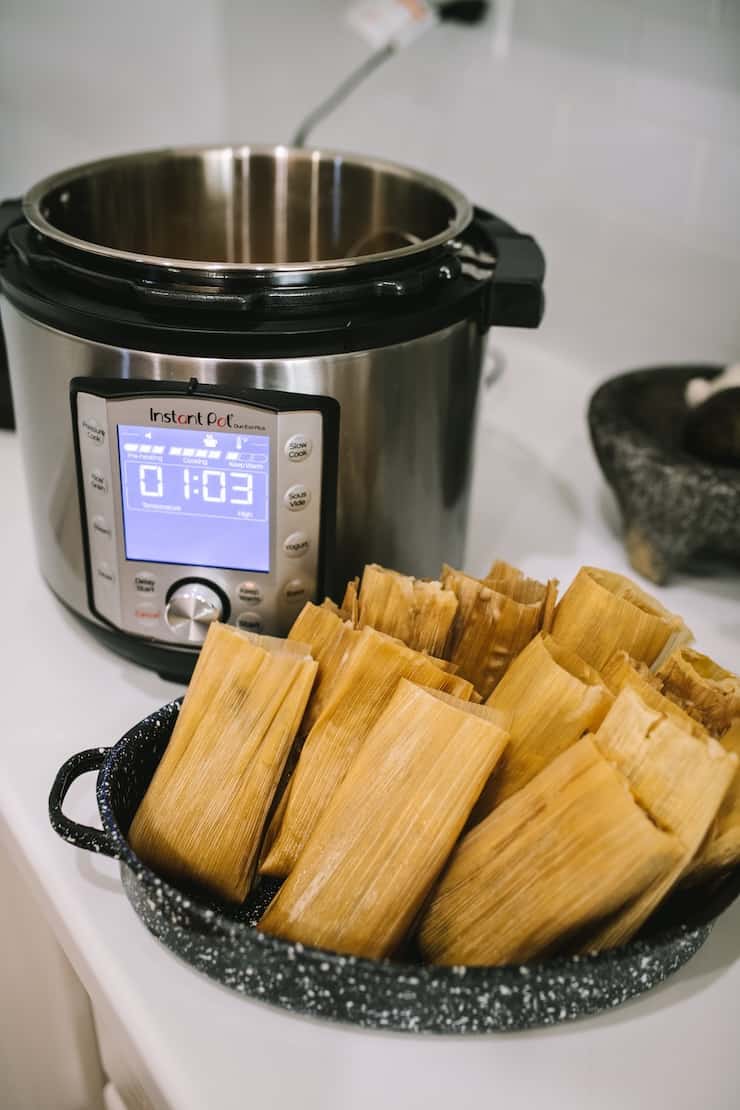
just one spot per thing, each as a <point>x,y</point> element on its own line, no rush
<point>190,609</point>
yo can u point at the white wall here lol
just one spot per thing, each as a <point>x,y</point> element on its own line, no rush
<point>610,128</point>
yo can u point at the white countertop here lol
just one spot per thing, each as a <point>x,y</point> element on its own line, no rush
<point>539,501</point>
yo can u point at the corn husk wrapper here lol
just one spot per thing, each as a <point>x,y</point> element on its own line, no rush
<point>569,848</point>
<point>331,641</point>
<point>495,620</point>
<point>387,832</point>
<point>622,672</point>
<point>350,602</point>
<point>416,611</point>
<point>512,581</point>
<point>678,779</point>
<point>706,691</point>
<point>203,815</point>
<point>371,675</point>
<point>602,612</point>
<point>548,699</point>
<point>721,849</point>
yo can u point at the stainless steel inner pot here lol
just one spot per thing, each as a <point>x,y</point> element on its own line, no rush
<point>247,207</point>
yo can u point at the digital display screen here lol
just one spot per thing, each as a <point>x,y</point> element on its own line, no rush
<point>196,498</point>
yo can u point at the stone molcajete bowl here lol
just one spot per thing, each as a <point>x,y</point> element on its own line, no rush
<point>222,941</point>
<point>676,502</point>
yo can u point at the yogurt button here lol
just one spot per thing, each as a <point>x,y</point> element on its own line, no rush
<point>296,544</point>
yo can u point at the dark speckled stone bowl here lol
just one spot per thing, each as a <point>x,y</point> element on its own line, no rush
<point>675,504</point>
<point>224,943</point>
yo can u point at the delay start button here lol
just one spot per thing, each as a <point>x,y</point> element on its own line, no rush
<point>298,447</point>
<point>296,544</point>
<point>297,497</point>
<point>144,582</point>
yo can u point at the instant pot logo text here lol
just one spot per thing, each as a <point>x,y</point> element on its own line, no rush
<point>201,420</point>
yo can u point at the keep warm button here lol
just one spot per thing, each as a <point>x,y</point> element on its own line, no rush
<point>296,544</point>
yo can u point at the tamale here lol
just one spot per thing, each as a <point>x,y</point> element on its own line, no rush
<point>512,581</point>
<point>203,814</point>
<point>417,611</point>
<point>602,612</point>
<point>570,847</point>
<point>350,605</point>
<point>385,835</point>
<point>680,781</point>
<point>495,620</point>
<point>549,698</point>
<point>621,672</point>
<point>357,700</point>
<point>331,641</point>
<point>706,691</point>
<point>721,849</point>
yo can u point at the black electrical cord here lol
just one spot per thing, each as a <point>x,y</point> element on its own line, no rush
<point>456,11</point>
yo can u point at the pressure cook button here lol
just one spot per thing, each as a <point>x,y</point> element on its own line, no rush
<point>106,572</point>
<point>295,590</point>
<point>249,622</point>
<point>147,615</point>
<point>101,527</point>
<point>298,447</point>
<point>144,582</point>
<point>297,544</point>
<point>249,593</point>
<point>297,497</point>
<point>93,431</point>
<point>98,481</point>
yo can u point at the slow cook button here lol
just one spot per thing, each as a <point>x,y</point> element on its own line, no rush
<point>98,481</point>
<point>147,615</point>
<point>106,572</point>
<point>93,431</point>
<point>295,590</point>
<point>249,622</point>
<point>297,497</point>
<point>145,582</point>
<point>297,544</point>
<point>101,527</point>
<point>249,593</point>
<point>298,447</point>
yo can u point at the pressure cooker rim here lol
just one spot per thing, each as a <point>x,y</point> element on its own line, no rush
<point>36,200</point>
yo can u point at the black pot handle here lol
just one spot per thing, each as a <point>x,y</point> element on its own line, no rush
<point>82,836</point>
<point>516,297</point>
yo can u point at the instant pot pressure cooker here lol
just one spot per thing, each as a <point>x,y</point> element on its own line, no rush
<point>241,373</point>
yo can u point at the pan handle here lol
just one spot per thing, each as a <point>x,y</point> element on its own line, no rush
<point>82,836</point>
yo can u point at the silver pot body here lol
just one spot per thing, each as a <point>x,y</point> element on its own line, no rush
<point>406,438</point>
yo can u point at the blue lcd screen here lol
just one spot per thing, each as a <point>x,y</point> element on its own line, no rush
<point>195,498</point>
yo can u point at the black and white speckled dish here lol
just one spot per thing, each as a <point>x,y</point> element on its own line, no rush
<point>223,942</point>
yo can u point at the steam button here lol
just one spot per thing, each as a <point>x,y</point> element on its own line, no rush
<point>298,447</point>
<point>296,544</point>
<point>295,590</point>
<point>106,572</point>
<point>249,622</point>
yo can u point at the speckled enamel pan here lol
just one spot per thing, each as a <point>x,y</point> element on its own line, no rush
<point>408,997</point>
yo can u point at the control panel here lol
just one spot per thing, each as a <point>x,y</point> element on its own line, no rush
<point>198,506</point>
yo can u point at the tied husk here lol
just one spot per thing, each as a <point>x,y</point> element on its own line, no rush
<point>706,691</point>
<point>496,619</point>
<point>416,611</point>
<point>602,612</point>
<point>721,849</point>
<point>375,666</point>
<point>331,641</point>
<point>621,672</point>
<point>549,698</point>
<point>679,780</point>
<point>570,847</point>
<point>386,833</point>
<point>203,814</point>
